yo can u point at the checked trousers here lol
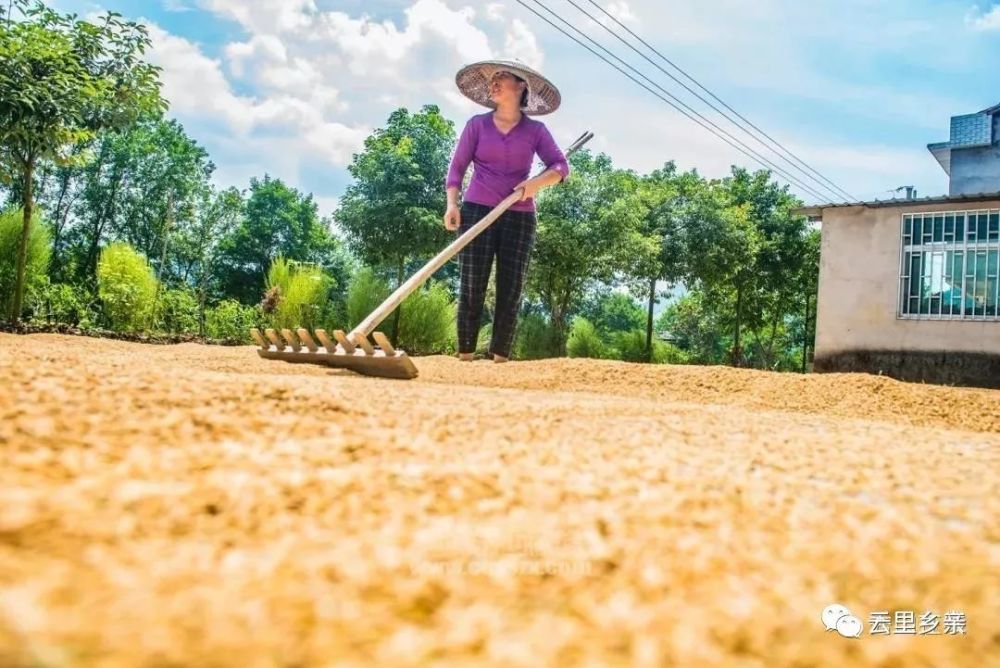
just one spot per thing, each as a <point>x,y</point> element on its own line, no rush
<point>510,240</point>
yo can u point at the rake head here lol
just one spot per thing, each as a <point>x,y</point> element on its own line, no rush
<point>358,355</point>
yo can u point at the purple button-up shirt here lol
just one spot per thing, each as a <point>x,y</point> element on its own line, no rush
<point>502,161</point>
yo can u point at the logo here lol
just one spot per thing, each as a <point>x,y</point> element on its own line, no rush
<point>838,618</point>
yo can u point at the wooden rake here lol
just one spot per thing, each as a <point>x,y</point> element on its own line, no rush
<point>353,350</point>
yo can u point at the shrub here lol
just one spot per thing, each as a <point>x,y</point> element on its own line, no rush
<point>584,341</point>
<point>231,321</point>
<point>39,249</point>
<point>178,311</point>
<point>364,295</point>
<point>484,338</point>
<point>126,286</point>
<point>298,294</point>
<point>427,321</point>
<point>535,338</point>
<point>631,347</point>
<point>62,303</point>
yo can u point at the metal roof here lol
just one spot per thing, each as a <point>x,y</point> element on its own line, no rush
<point>817,209</point>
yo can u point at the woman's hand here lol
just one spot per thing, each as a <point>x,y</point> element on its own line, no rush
<point>531,188</point>
<point>452,218</point>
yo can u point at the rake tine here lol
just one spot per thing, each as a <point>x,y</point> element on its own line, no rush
<point>293,341</point>
<point>255,333</point>
<point>383,342</point>
<point>364,343</point>
<point>307,340</point>
<point>342,340</point>
<point>272,336</point>
<point>325,340</point>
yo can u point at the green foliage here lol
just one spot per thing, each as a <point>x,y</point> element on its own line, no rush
<point>695,324</point>
<point>536,338</point>
<point>364,295</point>
<point>231,321</point>
<point>584,340</point>
<point>427,321</point>
<point>483,339</point>
<point>613,312</point>
<point>61,80</point>
<point>160,174</point>
<point>277,221</point>
<point>392,211</point>
<point>126,287</point>
<point>38,252</point>
<point>300,295</point>
<point>62,303</point>
<point>177,312</point>
<point>586,234</point>
<point>631,347</point>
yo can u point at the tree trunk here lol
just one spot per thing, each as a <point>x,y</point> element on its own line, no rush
<point>22,250</point>
<point>805,337</point>
<point>399,309</point>
<point>737,353</point>
<point>166,239</point>
<point>56,262</point>
<point>107,212</point>
<point>649,320</point>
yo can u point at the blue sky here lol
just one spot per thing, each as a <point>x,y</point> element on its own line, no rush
<point>857,88</point>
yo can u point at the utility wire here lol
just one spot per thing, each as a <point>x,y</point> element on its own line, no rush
<point>836,188</point>
<point>676,103</point>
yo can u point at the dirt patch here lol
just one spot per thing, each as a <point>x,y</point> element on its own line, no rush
<point>193,505</point>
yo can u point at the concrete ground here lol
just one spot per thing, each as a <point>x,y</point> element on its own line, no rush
<point>193,505</point>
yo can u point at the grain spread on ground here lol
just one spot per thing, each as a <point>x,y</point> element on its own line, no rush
<point>196,505</point>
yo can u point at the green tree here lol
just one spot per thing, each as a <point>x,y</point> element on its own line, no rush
<point>218,213</point>
<point>391,213</point>
<point>807,285</point>
<point>168,174</point>
<point>773,290</point>
<point>277,220</point>
<point>660,201</point>
<point>612,311</point>
<point>586,235</point>
<point>36,257</point>
<point>143,186</point>
<point>694,326</point>
<point>61,80</point>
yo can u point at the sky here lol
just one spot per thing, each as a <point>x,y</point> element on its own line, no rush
<point>855,88</point>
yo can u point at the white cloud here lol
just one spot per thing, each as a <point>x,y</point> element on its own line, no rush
<point>304,86</point>
<point>520,43</point>
<point>198,90</point>
<point>621,10</point>
<point>988,19</point>
<point>494,11</point>
<point>194,83</point>
<point>264,16</point>
<point>177,6</point>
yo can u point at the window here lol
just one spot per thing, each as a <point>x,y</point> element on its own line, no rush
<point>950,265</point>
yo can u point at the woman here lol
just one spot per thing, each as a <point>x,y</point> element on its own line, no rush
<point>502,144</point>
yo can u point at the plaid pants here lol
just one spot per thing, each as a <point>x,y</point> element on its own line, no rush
<point>510,239</point>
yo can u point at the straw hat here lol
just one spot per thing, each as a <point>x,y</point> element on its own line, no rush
<point>474,82</point>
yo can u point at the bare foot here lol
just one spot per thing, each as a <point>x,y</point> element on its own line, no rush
<point>465,357</point>
<point>499,359</point>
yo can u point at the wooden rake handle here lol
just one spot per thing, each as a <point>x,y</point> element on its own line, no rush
<point>410,285</point>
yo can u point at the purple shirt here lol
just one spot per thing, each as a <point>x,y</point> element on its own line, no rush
<point>502,161</point>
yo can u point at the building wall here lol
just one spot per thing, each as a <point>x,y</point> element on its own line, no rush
<point>856,324</point>
<point>975,170</point>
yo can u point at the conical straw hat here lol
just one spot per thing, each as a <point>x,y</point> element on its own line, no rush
<point>474,82</point>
